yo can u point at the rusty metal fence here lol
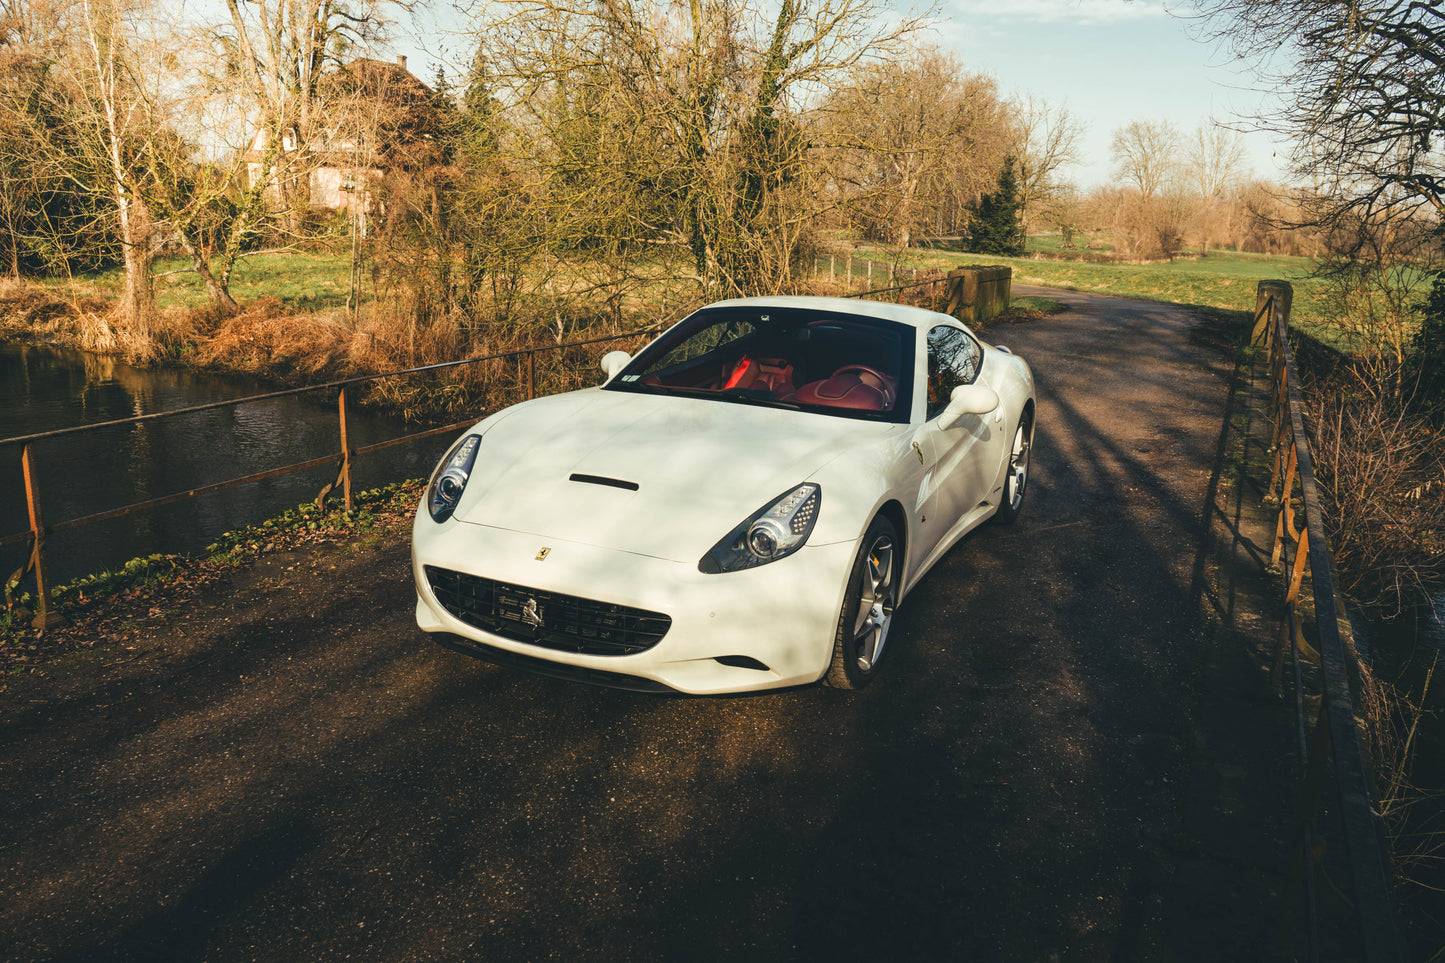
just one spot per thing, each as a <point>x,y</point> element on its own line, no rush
<point>1332,751</point>
<point>526,375</point>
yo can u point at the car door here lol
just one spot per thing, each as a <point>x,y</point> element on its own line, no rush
<point>966,456</point>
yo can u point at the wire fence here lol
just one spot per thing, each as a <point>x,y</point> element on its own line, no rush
<point>857,272</point>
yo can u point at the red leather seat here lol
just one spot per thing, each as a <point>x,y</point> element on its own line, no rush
<point>762,374</point>
<point>849,387</point>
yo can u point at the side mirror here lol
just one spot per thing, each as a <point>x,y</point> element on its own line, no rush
<point>613,362</point>
<point>974,399</point>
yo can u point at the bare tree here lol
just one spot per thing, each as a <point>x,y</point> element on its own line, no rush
<point>117,117</point>
<point>56,199</point>
<point>1213,166</point>
<point>1065,210</point>
<point>1048,139</point>
<point>1362,93</point>
<point>21,73</point>
<point>1149,214</point>
<point>1145,154</point>
<point>1215,160</point>
<point>905,134</point>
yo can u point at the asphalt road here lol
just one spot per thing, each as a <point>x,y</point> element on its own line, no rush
<point>291,771</point>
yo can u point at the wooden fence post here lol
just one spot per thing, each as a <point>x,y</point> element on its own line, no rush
<point>345,453</point>
<point>1270,299</point>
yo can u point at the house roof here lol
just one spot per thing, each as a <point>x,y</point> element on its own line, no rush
<point>384,79</point>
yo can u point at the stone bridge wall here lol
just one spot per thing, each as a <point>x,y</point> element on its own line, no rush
<point>977,293</point>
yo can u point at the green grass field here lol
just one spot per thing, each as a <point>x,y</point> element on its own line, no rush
<point>1225,280</point>
<point>1054,243</point>
<point>302,281</point>
<point>309,281</point>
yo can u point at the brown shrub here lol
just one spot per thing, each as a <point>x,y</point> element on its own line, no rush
<point>263,340</point>
<point>1379,470</point>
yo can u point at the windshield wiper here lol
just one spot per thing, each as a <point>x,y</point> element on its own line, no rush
<point>752,396</point>
<point>747,396</point>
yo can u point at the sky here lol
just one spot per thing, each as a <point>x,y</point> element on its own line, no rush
<point>1108,61</point>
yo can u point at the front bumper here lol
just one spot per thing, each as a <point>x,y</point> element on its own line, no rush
<point>771,626</point>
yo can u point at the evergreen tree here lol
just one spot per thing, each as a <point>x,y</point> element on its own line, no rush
<point>994,226</point>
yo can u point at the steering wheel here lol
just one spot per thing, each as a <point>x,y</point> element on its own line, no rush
<point>883,384</point>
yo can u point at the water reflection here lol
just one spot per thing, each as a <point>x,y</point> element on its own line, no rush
<point>43,388</point>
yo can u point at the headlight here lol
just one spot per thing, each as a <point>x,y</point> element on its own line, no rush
<point>775,531</point>
<point>450,478</point>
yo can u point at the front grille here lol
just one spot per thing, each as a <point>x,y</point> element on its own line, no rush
<point>567,622</point>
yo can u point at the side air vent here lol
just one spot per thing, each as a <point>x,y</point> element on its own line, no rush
<point>600,480</point>
<point>741,662</point>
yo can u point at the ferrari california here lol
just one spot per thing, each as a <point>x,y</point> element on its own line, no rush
<point>741,505</point>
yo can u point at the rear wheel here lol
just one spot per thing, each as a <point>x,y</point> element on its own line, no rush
<point>1016,477</point>
<point>868,606</point>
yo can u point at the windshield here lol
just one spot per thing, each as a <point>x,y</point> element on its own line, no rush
<point>839,364</point>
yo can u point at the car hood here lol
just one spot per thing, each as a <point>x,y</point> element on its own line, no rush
<point>699,466</point>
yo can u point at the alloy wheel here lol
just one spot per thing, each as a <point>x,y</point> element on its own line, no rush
<point>875,603</point>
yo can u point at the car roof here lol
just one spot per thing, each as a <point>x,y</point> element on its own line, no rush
<point>901,313</point>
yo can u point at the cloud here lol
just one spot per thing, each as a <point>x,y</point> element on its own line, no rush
<point>1064,11</point>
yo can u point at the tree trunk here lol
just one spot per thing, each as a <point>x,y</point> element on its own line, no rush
<point>138,302</point>
<point>219,293</point>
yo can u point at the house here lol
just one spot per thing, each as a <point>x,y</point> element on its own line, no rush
<point>371,116</point>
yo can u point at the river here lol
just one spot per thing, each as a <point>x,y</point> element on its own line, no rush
<point>44,388</point>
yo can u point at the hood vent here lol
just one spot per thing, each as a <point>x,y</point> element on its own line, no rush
<point>600,480</point>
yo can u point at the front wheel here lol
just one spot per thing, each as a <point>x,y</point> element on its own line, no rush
<point>1016,476</point>
<point>868,605</point>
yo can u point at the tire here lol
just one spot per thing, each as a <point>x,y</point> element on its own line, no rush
<point>1016,475</point>
<point>868,604</point>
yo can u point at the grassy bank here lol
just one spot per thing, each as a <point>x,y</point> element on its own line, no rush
<point>112,608</point>
<point>299,281</point>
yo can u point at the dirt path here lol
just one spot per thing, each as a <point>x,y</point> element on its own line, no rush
<point>1070,756</point>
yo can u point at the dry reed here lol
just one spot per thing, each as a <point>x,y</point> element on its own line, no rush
<point>1379,468</point>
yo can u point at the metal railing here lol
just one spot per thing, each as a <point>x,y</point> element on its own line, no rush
<point>36,533</point>
<point>1331,741</point>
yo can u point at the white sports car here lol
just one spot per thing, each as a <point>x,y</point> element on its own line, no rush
<point>740,506</point>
